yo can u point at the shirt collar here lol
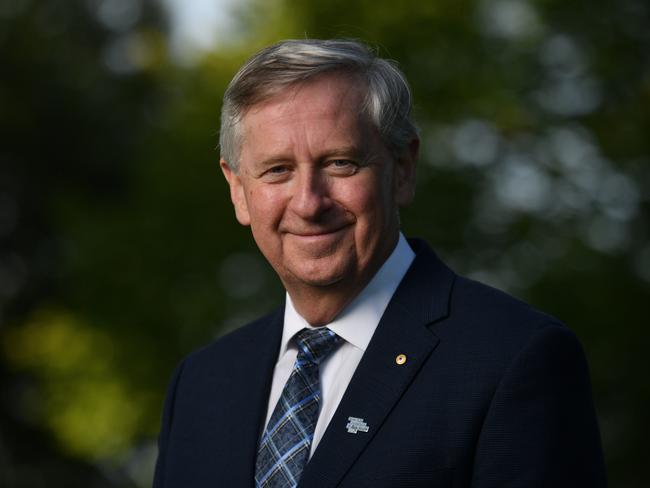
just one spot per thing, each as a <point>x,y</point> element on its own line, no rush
<point>358,320</point>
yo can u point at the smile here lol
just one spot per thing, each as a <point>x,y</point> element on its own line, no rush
<point>319,236</point>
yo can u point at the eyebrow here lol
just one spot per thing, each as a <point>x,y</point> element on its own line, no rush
<point>271,161</point>
<point>355,151</point>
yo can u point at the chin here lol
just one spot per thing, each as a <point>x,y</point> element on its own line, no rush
<point>319,276</point>
<point>319,281</point>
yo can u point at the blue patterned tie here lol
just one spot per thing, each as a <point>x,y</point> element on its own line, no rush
<point>284,448</point>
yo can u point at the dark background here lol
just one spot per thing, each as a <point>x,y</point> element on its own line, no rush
<point>119,251</point>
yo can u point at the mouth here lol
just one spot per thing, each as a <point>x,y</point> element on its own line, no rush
<point>318,235</point>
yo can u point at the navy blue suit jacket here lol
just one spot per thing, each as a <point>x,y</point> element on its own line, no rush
<point>493,394</point>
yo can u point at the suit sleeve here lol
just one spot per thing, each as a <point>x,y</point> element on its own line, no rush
<point>167,416</point>
<point>541,429</point>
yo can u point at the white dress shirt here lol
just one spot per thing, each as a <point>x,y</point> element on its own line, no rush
<point>355,325</point>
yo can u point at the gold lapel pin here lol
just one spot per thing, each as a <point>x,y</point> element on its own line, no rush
<point>400,359</point>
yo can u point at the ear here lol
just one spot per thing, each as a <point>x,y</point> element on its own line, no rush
<point>405,173</point>
<point>237,193</point>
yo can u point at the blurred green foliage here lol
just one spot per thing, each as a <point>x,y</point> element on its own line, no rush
<point>119,252</point>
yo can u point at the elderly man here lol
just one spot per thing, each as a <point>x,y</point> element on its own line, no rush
<point>383,368</point>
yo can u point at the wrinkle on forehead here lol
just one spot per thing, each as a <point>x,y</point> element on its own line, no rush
<point>333,97</point>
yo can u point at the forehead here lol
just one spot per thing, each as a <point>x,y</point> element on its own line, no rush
<point>326,111</point>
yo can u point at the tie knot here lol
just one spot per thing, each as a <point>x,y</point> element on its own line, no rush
<point>315,344</point>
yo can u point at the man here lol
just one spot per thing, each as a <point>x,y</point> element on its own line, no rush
<point>384,368</point>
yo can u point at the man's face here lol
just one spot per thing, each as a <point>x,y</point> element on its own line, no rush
<point>318,186</point>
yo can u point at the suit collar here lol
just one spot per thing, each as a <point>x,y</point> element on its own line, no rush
<point>421,299</point>
<point>426,289</point>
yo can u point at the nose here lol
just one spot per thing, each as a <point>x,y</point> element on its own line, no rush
<point>310,197</point>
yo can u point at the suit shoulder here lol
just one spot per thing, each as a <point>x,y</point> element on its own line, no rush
<point>473,297</point>
<point>233,342</point>
<point>492,317</point>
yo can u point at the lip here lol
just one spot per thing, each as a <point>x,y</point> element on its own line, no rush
<point>317,236</point>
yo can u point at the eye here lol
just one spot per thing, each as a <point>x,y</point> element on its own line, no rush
<point>276,173</point>
<point>343,166</point>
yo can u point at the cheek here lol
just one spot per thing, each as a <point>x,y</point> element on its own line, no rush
<point>368,200</point>
<point>265,207</point>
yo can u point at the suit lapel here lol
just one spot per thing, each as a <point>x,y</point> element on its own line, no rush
<point>379,382</point>
<point>249,394</point>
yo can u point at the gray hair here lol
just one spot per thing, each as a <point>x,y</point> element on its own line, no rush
<point>277,67</point>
